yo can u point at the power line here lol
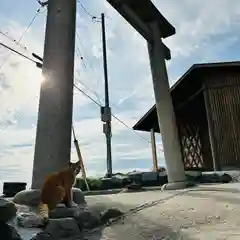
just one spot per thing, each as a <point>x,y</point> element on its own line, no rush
<point>87,12</point>
<point>114,116</point>
<point>94,18</point>
<point>94,92</point>
<point>29,25</point>
<point>78,49</point>
<point>92,99</point>
<point>83,92</point>
<point>22,36</point>
<point>80,56</point>
<point>78,37</point>
<point>12,39</point>
<point>83,60</point>
<point>99,104</point>
<point>13,50</point>
<point>85,66</point>
<point>16,114</point>
<point>119,120</point>
<point>17,42</point>
<point>43,4</point>
<point>79,89</point>
<point>38,64</point>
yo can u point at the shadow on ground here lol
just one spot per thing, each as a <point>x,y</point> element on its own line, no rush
<point>132,227</point>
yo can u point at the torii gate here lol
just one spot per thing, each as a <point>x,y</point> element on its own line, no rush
<point>151,24</point>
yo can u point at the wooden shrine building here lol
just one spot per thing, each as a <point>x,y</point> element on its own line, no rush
<point>206,102</point>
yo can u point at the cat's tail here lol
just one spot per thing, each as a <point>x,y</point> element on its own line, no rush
<point>44,212</point>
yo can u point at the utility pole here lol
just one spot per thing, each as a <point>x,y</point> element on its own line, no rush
<point>106,110</point>
<point>53,135</point>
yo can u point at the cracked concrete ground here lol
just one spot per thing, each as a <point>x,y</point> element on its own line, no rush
<point>206,212</point>
<point>209,212</point>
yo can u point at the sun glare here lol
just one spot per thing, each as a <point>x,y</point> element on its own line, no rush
<point>42,79</point>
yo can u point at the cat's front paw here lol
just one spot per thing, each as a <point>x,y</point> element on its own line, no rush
<point>44,222</point>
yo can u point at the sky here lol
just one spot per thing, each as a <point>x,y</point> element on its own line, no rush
<point>204,33</point>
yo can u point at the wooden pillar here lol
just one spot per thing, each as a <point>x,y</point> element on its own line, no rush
<point>154,152</point>
<point>212,139</point>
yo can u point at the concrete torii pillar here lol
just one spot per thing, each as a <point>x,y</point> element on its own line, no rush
<point>53,137</point>
<point>165,112</point>
<point>150,23</point>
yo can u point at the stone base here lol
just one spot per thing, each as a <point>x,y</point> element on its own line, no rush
<point>8,210</point>
<point>65,227</point>
<point>63,212</point>
<point>177,185</point>
<point>9,232</point>
<point>31,197</point>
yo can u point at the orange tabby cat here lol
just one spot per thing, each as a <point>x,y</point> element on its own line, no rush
<point>57,188</point>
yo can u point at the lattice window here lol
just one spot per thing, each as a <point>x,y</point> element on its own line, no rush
<point>191,147</point>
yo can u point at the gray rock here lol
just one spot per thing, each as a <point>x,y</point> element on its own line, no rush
<point>150,179</point>
<point>8,232</point>
<point>225,178</point>
<point>111,213</point>
<point>78,196</point>
<point>217,177</point>
<point>86,220</point>
<point>23,208</point>
<point>8,210</point>
<point>43,236</point>
<point>64,228</point>
<point>134,186</point>
<point>193,174</point>
<point>29,220</point>
<point>63,212</point>
<point>135,176</point>
<point>31,197</point>
<point>150,176</point>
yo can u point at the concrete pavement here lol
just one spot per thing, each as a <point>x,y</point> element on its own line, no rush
<point>206,212</point>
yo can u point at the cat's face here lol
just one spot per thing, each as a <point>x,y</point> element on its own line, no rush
<point>76,167</point>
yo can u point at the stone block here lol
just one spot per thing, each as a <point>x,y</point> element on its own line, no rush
<point>64,228</point>
<point>8,210</point>
<point>8,232</point>
<point>86,220</point>
<point>31,197</point>
<point>78,196</point>
<point>63,212</point>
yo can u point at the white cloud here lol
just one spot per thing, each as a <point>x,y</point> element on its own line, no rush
<point>200,36</point>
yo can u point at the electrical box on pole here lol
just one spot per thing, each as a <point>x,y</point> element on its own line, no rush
<point>106,115</point>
